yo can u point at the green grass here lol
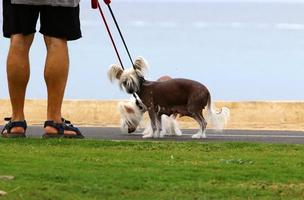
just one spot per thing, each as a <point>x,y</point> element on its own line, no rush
<point>87,169</point>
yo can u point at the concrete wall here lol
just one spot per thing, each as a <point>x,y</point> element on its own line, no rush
<point>244,115</point>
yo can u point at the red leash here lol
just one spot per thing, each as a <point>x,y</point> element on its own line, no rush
<point>119,31</point>
<point>95,4</point>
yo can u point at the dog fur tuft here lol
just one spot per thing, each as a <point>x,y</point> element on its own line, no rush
<point>115,72</point>
<point>218,120</point>
<point>141,65</point>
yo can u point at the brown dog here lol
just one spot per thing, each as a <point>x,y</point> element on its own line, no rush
<point>175,96</point>
<point>131,117</point>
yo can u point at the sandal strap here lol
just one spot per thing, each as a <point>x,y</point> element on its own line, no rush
<point>12,124</point>
<point>66,121</point>
<point>7,119</point>
<point>67,125</point>
<point>61,127</point>
<point>57,126</point>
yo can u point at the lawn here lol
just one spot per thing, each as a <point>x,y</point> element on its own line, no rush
<point>94,169</point>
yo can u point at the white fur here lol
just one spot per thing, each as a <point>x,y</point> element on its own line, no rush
<point>217,120</point>
<point>141,64</point>
<point>128,78</point>
<point>126,118</point>
<point>114,72</point>
<point>199,135</point>
<point>169,124</point>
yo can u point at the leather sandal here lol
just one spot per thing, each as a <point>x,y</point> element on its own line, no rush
<point>6,131</point>
<point>66,125</point>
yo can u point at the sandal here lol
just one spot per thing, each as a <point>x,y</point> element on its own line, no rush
<point>12,124</point>
<point>61,127</point>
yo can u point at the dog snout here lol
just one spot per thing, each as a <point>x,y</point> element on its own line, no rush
<point>131,129</point>
<point>130,91</point>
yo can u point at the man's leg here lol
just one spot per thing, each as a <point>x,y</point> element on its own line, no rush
<point>18,73</point>
<point>56,74</point>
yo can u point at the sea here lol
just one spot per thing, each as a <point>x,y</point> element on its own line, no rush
<point>242,51</point>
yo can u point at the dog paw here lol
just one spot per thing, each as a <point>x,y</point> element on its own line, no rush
<point>148,136</point>
<point>204,134</point>
<point>162,134</point>
<point>196,136</point>
<point>199,136</point>
<point>178,133</point>
<point>156,134</point>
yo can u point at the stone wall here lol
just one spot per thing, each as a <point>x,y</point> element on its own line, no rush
<point>268,115</point>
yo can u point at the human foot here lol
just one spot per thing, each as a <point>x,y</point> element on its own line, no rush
<point>14,129</point>
<point>58,130</point>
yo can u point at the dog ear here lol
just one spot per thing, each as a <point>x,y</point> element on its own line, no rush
<point>140,64</point>
<point>129,109</point>
<point>126,107</point>
<point>115,72</point>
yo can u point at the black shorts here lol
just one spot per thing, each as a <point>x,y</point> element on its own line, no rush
<point>59,22</point>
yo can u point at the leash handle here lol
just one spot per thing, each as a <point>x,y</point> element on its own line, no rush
<point>94,4</point>
<point>107,2</point>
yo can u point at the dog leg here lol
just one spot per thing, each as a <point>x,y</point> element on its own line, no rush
<point>159,127</point>
<point>170,126</point>
<point>199,135</point>
<point>164,123</point>
<point>151,133</point>
<point>148,130</point>
<point>202,123</point>
<point>175,127</point>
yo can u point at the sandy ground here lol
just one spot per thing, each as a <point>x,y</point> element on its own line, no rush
<point>266,115</point>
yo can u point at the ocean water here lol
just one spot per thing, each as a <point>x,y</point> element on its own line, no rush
<point>240,51</point>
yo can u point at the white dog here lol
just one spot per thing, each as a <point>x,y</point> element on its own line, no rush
<point>132,117</point>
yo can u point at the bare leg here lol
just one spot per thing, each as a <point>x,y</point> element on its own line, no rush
<point>18,73</point>
<point>56,74</point>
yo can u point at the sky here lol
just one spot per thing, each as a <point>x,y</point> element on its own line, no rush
<point>249,43</point>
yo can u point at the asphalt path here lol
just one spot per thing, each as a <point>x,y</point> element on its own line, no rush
<point>106,133</point>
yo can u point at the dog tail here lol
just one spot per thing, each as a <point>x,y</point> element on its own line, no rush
<point>218,120</point>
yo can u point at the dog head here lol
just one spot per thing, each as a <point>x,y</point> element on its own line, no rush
<point>130,115</point>
<point>129,79</point>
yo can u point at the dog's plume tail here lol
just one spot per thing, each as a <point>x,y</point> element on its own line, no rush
<point>218,120</point>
